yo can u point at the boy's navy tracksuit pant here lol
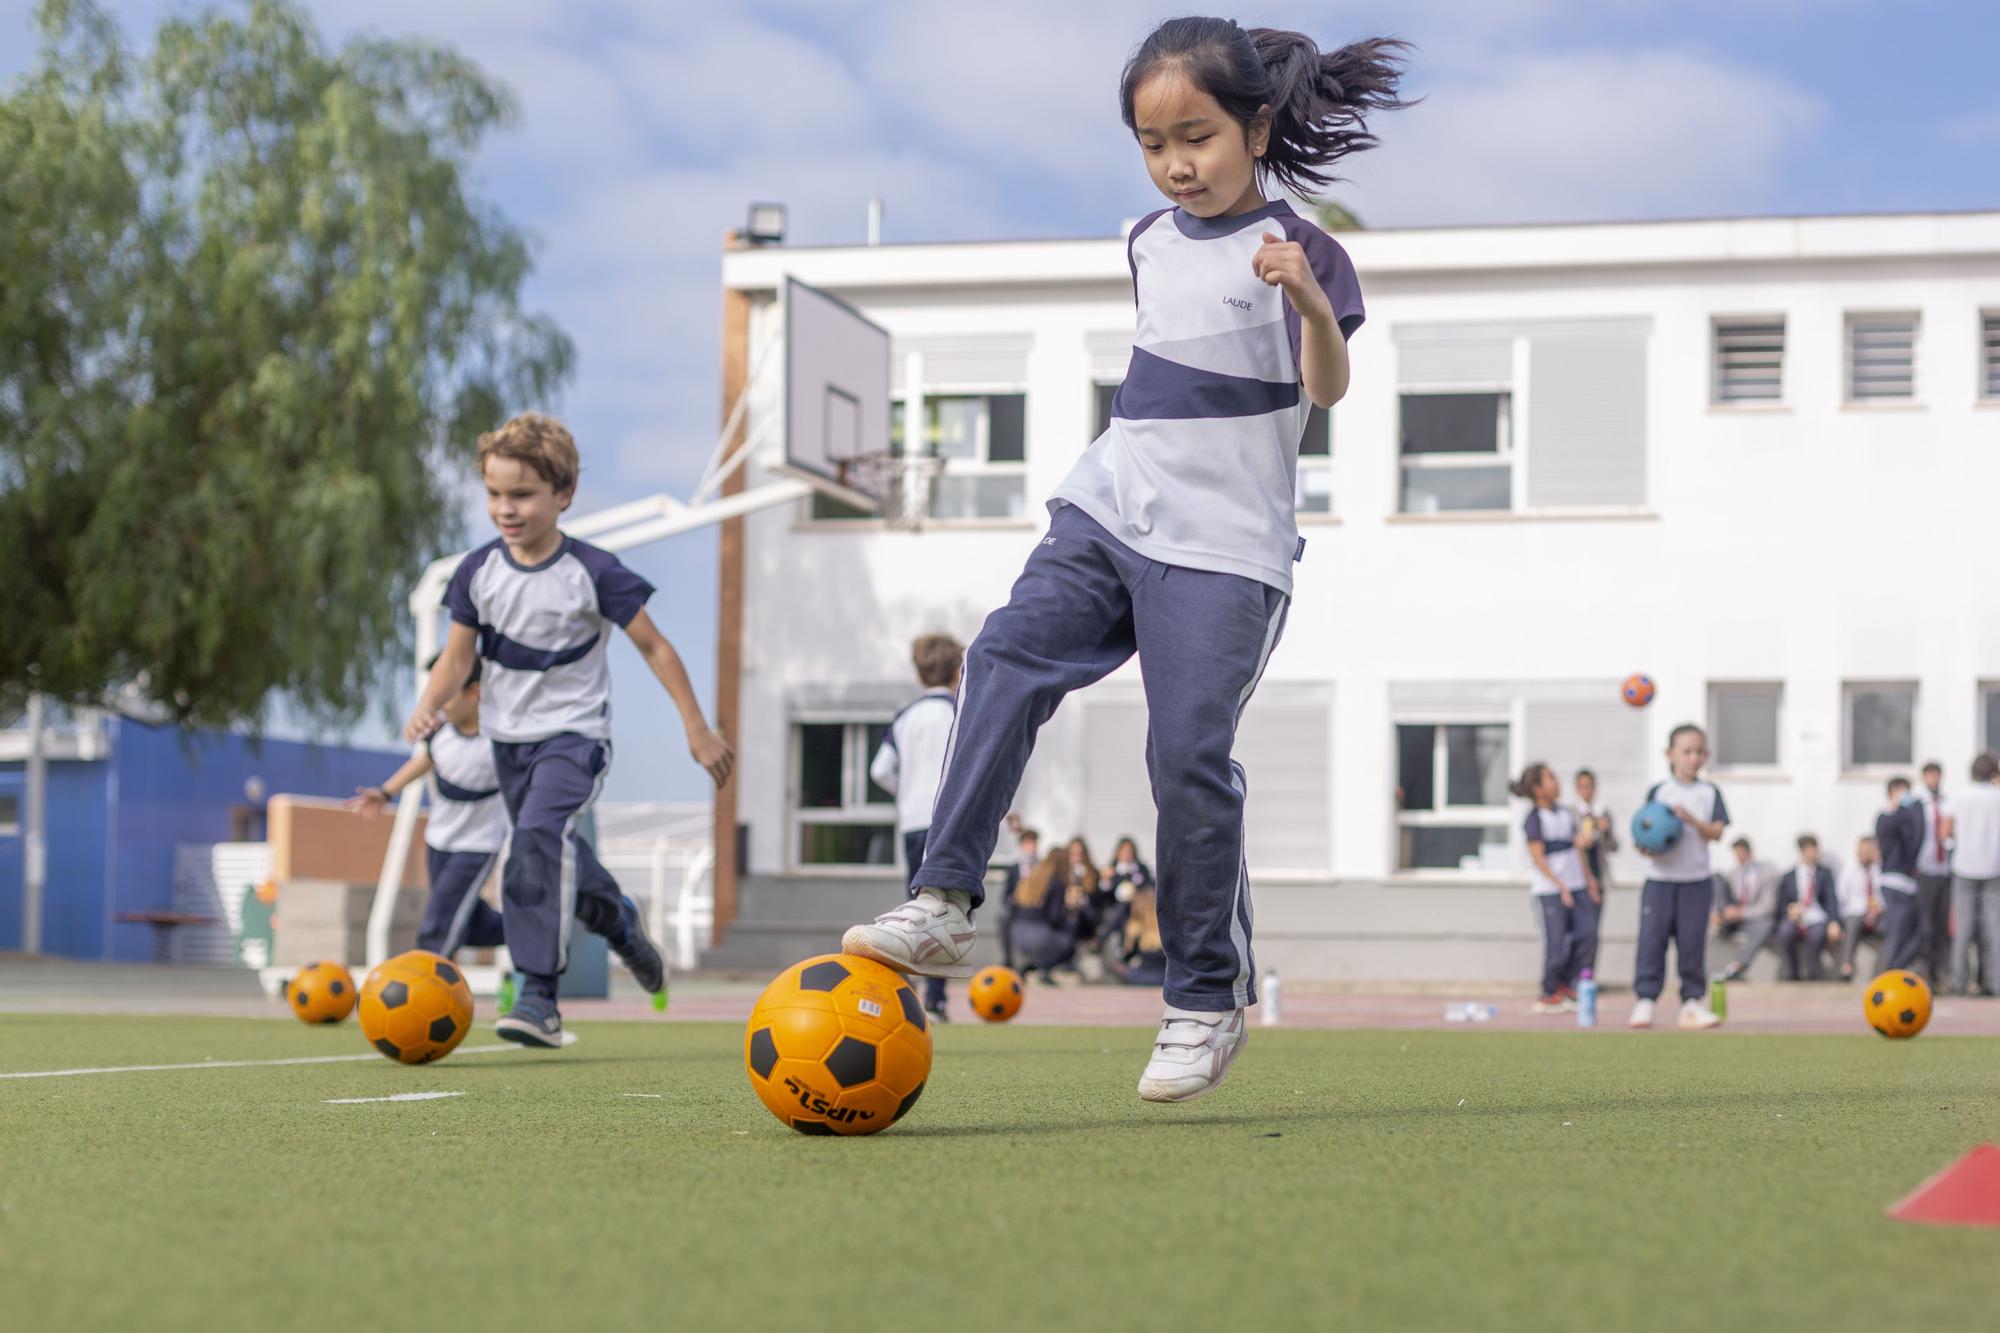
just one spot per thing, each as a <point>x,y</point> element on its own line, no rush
<point>1085,604</point>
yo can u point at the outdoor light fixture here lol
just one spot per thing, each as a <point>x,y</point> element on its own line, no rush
<point>766,225</point>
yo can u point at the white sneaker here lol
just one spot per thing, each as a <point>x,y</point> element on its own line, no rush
<point>1694,1015</point>
<point>1642,1014</point>
<point>929,935</point>
<point>1192,1054</point>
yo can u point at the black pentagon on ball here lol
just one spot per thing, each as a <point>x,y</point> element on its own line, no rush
<point>1016,985</point>
<point>763,1052</point>
<point>998,1009</point>
<point>329,1019</point>
<point>444,1028</point>
<point>388,1048</point>
<point>1878,999</point>
<point>448,972</point>
<point>1909,981</point>
<point>852,1062</point>
<point>395,995</point>
<point>822,976</point>
<point>908,1102</point>
<point>338,988</point>
<point>805,1126</point>
<point>912,1011</point>
<point>1908,1016</point>
<point>300,997</point>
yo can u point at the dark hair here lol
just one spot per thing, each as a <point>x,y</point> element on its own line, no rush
<point>1029,835</point>
<point>1741,844</point>
<point>471,679</point>
<point>937,658</point>
<point>1682,730</point>
<point>1933,766</point>
<point>1985,766</point>
<point>1807,840</point>
<point>1318,100</point>
<point>1531,778</point>
<point>1898,781</point>
<point>1583,773</point>
<point>1121,842</point>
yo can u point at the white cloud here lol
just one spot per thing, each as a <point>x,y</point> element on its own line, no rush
<point>1584,135</point>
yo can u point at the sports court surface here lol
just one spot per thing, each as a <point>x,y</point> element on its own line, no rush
<point>1417,1175</point>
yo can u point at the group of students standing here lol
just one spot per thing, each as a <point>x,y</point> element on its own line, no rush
<point>1925,886</point>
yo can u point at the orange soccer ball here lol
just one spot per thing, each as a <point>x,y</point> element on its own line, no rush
<point>838,1045</point>
<point>1898,1004</point>
<point>320,993</point>
<point>416,1007</point>
<point>995,993</point>
<point>1637,690</point>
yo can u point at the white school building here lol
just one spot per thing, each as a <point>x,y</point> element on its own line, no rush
<point>1757,459</point>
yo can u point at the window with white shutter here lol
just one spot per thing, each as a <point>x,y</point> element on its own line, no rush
<point>1881,357</point>
<point>1989,355</point>
<point>1749,361</point>
<point>1586,424</point>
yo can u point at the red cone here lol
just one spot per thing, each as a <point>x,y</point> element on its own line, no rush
<point>1964,1194</point>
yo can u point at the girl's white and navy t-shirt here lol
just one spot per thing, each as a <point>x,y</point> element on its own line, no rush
<point>1199,464</point>
<point>542,635</point>
<point>1555,829</point>
<point>1686,862</point>
<point>467,814</point>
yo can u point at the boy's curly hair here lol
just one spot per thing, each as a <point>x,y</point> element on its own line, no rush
<point>537,441</point>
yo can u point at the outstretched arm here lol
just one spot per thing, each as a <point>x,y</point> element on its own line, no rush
<point>370,800</point>
<point>447,678</point>
<point>709,749</point>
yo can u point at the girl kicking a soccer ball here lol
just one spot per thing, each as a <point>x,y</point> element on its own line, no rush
<point>1174,535</point>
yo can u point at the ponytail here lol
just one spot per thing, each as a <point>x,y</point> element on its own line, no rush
<point>1531,778</point>
<point>1317,102</point>
<point>1320,102</point>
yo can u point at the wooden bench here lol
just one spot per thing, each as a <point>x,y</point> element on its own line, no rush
<point>163,924</point>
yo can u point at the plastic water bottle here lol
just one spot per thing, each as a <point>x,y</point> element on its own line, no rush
<point>504,1002</point>
<point>1273,993</point>
<point>1586,999</point>
<point>1718,999</point>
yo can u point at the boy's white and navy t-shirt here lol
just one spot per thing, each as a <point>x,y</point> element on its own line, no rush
<point>1199,465</point>
<point>467,814</point>
<point>542,634</point>
<point>1686,862</point>
<point>1555,829</point>
<point>911,760</point>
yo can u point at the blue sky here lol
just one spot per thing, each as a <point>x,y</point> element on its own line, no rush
<point>647,127</point>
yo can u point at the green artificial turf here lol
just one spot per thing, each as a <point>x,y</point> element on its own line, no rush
<point>1449,1180</point>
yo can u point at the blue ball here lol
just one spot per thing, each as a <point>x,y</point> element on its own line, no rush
<point>1655,828</point>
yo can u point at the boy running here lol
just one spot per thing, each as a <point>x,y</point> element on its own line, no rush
<point>536,607</point>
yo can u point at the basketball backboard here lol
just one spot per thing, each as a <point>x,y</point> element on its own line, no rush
<point>836,396</point>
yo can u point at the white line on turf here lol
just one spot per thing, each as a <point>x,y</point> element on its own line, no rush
<point>569,1039</point>
<point>397,1097</point>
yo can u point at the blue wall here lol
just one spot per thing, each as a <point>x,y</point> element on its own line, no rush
<point>113,824</point>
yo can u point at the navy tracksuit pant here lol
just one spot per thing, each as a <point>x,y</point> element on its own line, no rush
<point>1678,913</point>
<point>552,876</point>
<point>455,916</point>
<point>1085,604</point>
<point>913,857</point>
<point>1569,938</point>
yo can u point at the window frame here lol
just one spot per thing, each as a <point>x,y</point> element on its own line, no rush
<point>12,827</point>
<point>1507,453</point>
<point>1987,692</point>
<point>1987,378</point>
<point>854,810</point>
<point>1776,690</point>
<point>980,466</point>
<point>1442,814</point>
<point>1849,321</point>
<point>1718,326</point>
<point>1849,691</point>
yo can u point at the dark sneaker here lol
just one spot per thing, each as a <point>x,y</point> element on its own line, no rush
<point>635,948</point>
<point>938,1012</point>
<point>533,1021</point>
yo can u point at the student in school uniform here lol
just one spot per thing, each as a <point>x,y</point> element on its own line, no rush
<point>1934,878</point>
<point>1807,908</point>
<point>1860,904</point>
<point>1680,886</point>
<point>1596,829</point>
<point>1027,854</point>
<point>1749,908</point>
<point>1899,832</point>
<point>1566,897</point>
<point>1975,886</point>
<point>910,763</point>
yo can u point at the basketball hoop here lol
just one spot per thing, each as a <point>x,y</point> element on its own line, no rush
<point>906,483</point>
